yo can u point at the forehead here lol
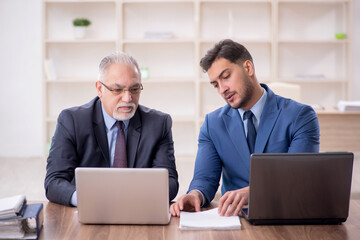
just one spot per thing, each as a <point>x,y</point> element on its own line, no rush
<point>122,73</point>
<point>218,67</point>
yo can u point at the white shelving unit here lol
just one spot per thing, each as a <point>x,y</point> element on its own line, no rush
<point>291,41</point>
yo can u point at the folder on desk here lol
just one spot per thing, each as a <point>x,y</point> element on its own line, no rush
<point>26,226</point>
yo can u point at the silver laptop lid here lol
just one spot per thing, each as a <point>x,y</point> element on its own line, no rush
<point>291,187</point>
<point>123,195</point>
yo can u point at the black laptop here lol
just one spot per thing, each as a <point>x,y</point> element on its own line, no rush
<point>299,188</point>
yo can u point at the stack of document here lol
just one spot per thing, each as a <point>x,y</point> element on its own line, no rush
<point>349,106</point>
<point>209,219</point>
<point>19,220</point>
<point>11,206</point>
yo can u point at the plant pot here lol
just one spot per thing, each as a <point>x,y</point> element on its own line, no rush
<point>79,32</point>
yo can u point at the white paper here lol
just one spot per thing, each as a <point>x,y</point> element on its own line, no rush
<point>209,219</point>
<point>349,106</point>
<point>10,206</point>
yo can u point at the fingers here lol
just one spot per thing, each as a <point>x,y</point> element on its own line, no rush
<point>221,202</point>
<point>172,210</point>
<point>186,202</point>
<point>197,199</point>
<point>233,205</point>
<point>175,208</point>
<point>239,207</point>
<point>233,201</point>
<point>230,201</point>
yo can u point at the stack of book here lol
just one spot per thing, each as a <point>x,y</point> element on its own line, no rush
<point>19,220</point>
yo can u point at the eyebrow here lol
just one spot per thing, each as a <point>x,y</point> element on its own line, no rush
<point>122,86</point>
<point>220,75</point>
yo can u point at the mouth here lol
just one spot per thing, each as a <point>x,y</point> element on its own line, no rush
<point>230,97</point>
<point>125,109</point>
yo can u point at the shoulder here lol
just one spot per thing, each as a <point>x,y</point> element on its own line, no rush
<point>294,108</point>
<point>84,111</point>
<point>151,113</point>
<point>286,105</point>
<point>152,118</point>
<point>152,121</point>
<point>218,113</point>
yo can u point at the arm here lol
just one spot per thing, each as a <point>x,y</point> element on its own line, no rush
<point>206,176</point>
<point>305,132</point>
<point>61,163</point>
<point>164,157</point>
<point>208,165</point>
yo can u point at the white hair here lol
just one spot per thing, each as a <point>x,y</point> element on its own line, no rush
<point>118,58</point>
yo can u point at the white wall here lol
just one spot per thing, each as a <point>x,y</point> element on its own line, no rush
<point>20,76</point>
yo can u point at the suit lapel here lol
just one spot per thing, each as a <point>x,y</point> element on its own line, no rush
<point>267,122</point>
<point>100,131</point>
<point>133,138</point>
<point>235,130</point>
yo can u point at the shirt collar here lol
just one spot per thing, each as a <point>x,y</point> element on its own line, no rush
<point>257,108</point>
<point>110,122</point>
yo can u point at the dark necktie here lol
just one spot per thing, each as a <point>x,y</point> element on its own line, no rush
<point>120,158</point>
<point>251,132</point>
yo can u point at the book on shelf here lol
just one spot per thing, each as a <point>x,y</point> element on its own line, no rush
<point>50,71</point>
<point>25,225</point>
<point>12,206</point>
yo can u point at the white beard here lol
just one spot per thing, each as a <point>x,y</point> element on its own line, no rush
<point>124,115</point>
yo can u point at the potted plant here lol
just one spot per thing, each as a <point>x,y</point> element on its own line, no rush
<point>80,25</point>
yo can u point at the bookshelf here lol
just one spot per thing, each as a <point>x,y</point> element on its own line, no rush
<point>292,41</point>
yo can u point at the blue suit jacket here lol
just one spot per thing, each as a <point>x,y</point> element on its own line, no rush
<point>285,126</point>
<point>80,141</point>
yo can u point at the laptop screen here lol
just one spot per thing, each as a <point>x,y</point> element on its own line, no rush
<point>300,187</point>
<point>123,195</point>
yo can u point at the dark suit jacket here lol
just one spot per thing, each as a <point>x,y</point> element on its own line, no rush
<point>285,126</point>
<point>80,141</point>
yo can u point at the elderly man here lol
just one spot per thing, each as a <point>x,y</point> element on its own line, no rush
<point>112,130</point>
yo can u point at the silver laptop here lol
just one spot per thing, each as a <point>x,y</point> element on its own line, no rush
<point>122,195</point>
<point>299,188</point>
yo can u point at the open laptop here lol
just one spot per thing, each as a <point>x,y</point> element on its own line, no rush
<point>122,195</point>
<point>299,188</point>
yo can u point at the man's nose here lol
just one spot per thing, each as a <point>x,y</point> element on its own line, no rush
<point>126,96</point>
<point>223,88</point>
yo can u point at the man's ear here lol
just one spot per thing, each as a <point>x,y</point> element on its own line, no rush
<point>249,67</point>
<point>98,88</point>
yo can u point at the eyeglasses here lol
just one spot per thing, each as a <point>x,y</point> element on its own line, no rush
<point>119,91</point>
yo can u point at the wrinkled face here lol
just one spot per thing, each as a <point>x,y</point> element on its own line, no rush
<point>120,91</point>
<point>233,82</point>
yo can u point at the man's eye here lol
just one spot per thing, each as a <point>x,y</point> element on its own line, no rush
<point>215,85</point>
<point>134,90</point>
<point>227,76</point>
<point>118,90</point>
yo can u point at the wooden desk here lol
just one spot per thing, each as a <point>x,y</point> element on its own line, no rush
<point>339,131</point>
<point>62,223</point>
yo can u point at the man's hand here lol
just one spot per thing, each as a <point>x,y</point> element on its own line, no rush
<point>237,199</point>
<point>187,202</point>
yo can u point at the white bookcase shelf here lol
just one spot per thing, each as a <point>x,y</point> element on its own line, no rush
<point>291,41</point>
